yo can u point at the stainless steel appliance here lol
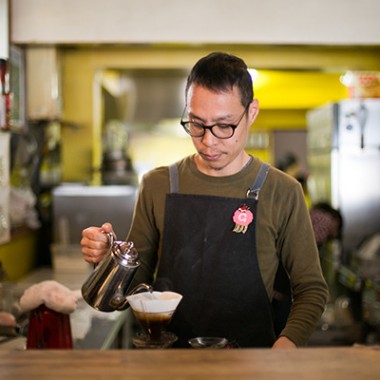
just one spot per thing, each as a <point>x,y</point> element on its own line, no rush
<point>344,162</point>
<point>76,207</point>
<point>344,166</point>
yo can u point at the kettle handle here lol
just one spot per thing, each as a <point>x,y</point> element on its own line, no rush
<point>111,237</point>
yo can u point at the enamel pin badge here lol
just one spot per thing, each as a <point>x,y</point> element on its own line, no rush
<point>242,218</point>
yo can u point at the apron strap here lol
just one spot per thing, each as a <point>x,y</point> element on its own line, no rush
<point>253,192</point>
<point>173,178</point>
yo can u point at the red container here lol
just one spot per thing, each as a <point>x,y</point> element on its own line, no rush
<point>49,329</point>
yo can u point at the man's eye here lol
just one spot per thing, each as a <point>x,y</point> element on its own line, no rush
<point>223,126</point>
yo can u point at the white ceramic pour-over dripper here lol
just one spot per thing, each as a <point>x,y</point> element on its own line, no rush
<point>154,311</point>
<point>154,302</point>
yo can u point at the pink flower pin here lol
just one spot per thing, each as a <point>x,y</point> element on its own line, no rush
<point>242,218</point>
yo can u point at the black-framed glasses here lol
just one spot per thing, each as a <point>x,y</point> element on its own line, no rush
<point>219,130</point>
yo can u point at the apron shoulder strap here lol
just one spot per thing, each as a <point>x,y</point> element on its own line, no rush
<point>173,178</point>
<point>253,192</point>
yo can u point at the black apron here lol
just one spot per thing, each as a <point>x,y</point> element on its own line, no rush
<point>215,269</point>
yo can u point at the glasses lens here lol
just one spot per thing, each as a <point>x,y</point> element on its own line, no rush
<point>193,129</point>
<point>223,131</point>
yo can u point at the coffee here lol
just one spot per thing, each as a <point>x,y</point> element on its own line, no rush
<point>153,323</point>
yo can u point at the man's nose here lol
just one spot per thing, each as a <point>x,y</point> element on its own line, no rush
<point>208,138</point>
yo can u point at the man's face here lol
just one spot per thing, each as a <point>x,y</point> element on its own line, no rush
<point>220,157</point>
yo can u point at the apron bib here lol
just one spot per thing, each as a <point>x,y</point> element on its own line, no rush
<point>214,268</point>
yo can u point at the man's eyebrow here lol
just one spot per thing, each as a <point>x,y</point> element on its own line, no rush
<point>221,118</point>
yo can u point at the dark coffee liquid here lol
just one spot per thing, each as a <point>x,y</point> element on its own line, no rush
<point>153,323</point>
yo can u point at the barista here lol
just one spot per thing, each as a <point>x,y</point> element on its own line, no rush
<point>216,226</point>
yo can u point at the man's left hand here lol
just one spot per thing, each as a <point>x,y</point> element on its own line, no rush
<point>283,342</point>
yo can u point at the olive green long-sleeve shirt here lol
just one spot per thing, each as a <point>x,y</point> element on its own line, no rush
<point>284,232</point>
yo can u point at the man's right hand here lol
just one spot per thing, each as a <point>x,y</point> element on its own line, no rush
<point>95,242</point>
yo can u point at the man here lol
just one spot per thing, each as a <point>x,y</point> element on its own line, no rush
<point>218,227</point>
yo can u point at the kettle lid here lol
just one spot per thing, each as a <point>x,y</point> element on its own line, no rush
<point>126,253</point>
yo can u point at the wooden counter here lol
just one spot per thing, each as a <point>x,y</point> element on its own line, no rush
<point>307,363</point>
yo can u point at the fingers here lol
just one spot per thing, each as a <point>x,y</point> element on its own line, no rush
<point>95,243</point>
<point>107,227</point>
<point>94,233</point>
<point>93,256</point>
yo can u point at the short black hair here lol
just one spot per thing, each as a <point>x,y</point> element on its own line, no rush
<point>335,213</point>
<point>220,71</point>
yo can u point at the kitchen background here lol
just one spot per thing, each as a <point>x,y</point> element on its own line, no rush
<point>97,93</point>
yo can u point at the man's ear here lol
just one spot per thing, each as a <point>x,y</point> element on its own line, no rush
<point>253,110</point>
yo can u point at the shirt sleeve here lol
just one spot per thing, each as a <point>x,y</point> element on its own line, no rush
<point>145,232</point>
<point>299,255</point>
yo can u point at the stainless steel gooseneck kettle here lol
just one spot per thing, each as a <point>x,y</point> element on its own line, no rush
<point>106,289</point>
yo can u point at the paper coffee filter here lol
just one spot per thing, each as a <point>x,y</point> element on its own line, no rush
<point>154,302</point>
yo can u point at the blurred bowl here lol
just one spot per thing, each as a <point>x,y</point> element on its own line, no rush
<point>208,342</point>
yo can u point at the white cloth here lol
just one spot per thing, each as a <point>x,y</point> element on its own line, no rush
<point>52,294</point>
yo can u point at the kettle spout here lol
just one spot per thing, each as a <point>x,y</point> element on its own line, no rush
<point>124,304</point>
<point>140,287</point>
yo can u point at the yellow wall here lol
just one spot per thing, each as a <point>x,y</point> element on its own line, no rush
<point>284,94</point>
<point>19,255</point>
<point>291,90</point>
